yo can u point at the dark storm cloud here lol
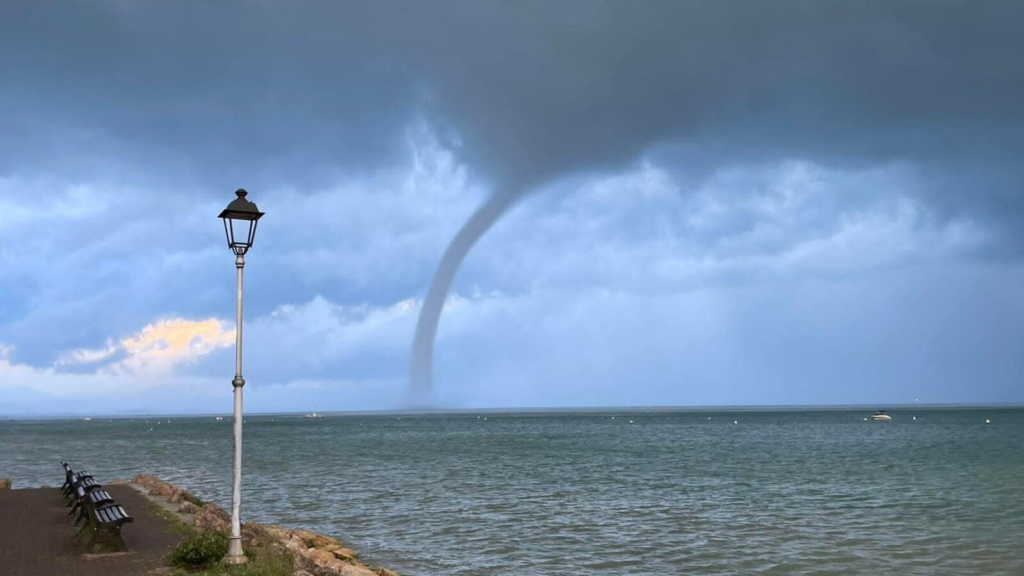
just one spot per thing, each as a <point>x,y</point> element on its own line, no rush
<point>532,89</point>
<point>208,96</point>
<point>223,91</point>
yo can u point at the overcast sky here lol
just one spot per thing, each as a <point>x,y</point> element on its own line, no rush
<point>727,203</point>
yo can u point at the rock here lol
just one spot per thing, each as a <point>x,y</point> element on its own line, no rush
<point>335,565</point>
<point>306,536</point>
<point>188,508</point>
<point>5,483</point>
<point>321,557</point>
<point>343,553</point>
<point>312,554</point>
<point>211,517</point>
<point>147,480</point>
<point>355,570</point>
<point>254,531</point>
<point>162,489</point>
<point>314,540</point>
<point>275,532</point>
<point>115,482</point>
<point>321,541</point>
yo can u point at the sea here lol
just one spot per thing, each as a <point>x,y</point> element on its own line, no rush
<point>618,492</point>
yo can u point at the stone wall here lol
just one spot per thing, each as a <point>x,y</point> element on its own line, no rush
<point>312,554</point>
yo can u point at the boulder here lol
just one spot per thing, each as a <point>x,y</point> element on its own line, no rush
<point>386,572</point>
<point>275,532</point>
<point>343,553</point>
<point>321,541</point>
<point>211,517</point>
<point>188,508</point>
<point>355,570</point>
<point>5,483</point>
<point>296,545</point>
<point>306,536</point>
<point>162,489</point>
<point>321,557</point>
<point>254,531</point>
<point>147,480</point>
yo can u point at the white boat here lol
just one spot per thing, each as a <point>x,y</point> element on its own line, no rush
<point>313,415</point>
<point>881,416</point>
<point>219,418</point>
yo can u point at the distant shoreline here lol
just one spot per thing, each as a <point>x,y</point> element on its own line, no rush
<point>543,411</point>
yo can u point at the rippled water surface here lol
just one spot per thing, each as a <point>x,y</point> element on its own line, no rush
<point>582,493</point>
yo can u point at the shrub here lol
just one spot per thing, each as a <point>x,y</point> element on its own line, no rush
<point>200,550</point>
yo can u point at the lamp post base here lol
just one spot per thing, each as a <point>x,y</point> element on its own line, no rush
<point>235,555</point>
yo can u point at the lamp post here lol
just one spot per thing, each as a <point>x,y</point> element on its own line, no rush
<point>243,214</point>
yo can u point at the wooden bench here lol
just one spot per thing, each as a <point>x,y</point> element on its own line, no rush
<point>86,484</point>
<point>104,526</point>
<point>88,500</point>
<point>71,478</point>
<point>103,517</point>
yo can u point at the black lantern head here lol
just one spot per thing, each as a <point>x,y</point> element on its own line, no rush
<point>243,214</point>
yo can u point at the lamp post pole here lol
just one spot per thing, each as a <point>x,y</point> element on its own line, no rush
<point>235,553</point>
<point>244,214</point>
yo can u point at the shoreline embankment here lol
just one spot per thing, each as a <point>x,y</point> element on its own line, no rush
<point>312,554</point>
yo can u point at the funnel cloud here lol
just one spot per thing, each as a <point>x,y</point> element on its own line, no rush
<point>543,91</point>
<point>430,313</point>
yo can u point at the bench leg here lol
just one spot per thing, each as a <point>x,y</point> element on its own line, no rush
<point>110,536</point>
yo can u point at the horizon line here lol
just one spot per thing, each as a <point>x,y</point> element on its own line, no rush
<point>541,410</point>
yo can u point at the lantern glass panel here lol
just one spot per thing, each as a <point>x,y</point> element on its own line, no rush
<point>240,234</point>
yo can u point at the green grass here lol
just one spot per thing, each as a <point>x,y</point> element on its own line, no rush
<point>174,523</point>
<point>264,560</point>
<point>200,550</point>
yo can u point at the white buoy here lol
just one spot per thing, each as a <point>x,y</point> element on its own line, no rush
<point>630,421</point>
<point>915,417</point>
<point>613,417</point>
<point>987,421</point>
<point>865,419</point>
<point>735,421</point>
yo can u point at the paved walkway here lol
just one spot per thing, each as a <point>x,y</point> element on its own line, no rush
<point>36,537</point>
